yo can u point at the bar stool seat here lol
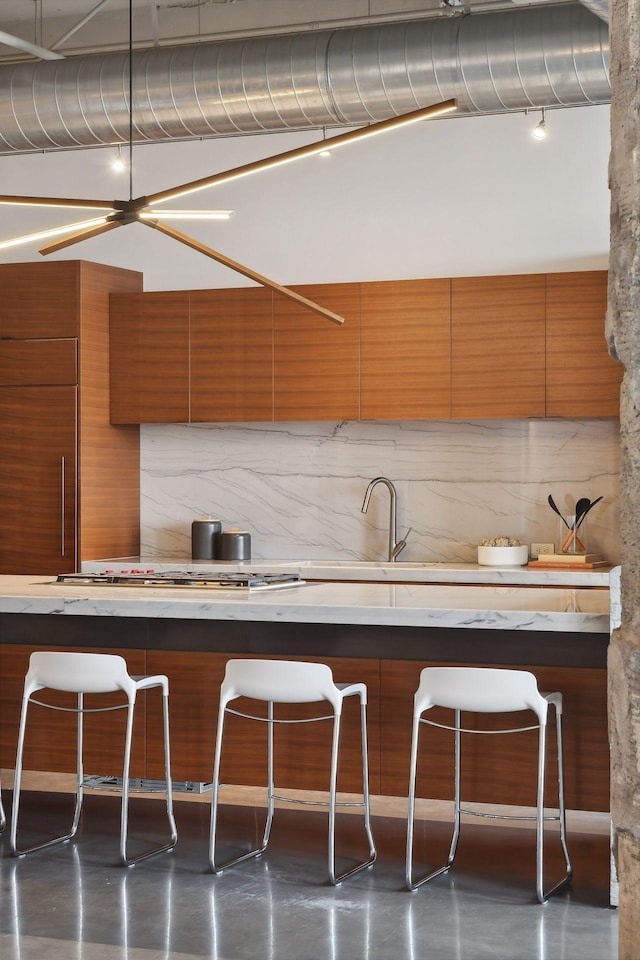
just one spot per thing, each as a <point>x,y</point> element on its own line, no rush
<point>486,690</point>
<point>91,673</point>
<point>287,681</point>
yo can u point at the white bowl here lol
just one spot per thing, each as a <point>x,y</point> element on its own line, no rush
<point>503,556</point>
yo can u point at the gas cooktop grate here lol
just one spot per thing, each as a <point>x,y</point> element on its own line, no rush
<point>216,581</point>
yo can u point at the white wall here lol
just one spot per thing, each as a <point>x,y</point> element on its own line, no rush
<point>298,488</point>
<point>448,197</point>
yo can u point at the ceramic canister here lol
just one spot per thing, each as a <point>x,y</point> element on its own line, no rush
<point>235,545</point>
<point>205,539</point>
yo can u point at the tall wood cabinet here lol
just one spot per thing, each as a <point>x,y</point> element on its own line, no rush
<point>69,481</point>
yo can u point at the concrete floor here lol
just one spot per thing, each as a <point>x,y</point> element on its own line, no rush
<point>75,903</point>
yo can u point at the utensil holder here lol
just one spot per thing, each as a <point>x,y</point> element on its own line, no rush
<point>571,540</point>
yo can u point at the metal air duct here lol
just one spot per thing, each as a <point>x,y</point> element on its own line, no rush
<point>503,61</point>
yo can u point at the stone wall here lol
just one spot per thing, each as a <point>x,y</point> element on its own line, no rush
<point>623,332</point>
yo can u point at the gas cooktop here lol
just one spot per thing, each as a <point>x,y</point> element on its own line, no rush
<point>212,581</point>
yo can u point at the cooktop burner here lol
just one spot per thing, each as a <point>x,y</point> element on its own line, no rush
<point>213,581</point>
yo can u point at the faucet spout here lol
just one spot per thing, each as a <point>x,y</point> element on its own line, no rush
<point>395,547</point>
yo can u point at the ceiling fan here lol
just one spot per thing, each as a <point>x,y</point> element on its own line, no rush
<point>148,210</point>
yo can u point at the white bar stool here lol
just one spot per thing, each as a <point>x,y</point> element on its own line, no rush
<point>286,681</point>
<point>89,673</point>
<point>485,690</point>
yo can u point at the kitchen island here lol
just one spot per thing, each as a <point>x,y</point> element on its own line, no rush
<point>380,633</point>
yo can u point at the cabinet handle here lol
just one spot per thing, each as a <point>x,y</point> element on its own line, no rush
<point>62,484</point>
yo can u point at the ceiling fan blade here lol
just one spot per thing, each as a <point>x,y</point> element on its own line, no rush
<point>310,149</point>
<point>79,237</point>
<point>57,202</point>
<point>245,271</point>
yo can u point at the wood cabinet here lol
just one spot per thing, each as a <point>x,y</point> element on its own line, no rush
<point>498,347</point>
<point>38,479</point>
<point>231,355</point>
<point>405,350</point>
<point>316,362</point>
<point>69,481</point>
<point>38,362</point>
<point>466,348</point>
<point>582,379</point>
<point>39,300</point>
<point>149,357</point>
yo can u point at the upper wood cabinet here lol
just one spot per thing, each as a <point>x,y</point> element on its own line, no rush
<point>582,379</point>
<point>39,300</point>
<point>468,348</point>
<point>498,347</point>
<point>149,355</point>
<point>231,351</point>
<point>405,350</point>
<point>316,362</point>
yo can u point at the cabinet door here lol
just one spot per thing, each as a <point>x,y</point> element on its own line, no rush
<point>38,362</point>
<point>37,479</point>
<point>316,362</point>
<point>149,357</point>
<point>582,379</point>
<point>231,333</point>
<point>406,350</point>
<point>39,300</point>
<point>497,347</point>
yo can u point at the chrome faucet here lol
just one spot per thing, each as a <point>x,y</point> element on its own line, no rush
<point>395,547</point>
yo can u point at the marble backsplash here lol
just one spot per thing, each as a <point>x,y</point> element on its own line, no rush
<point>298,487</point>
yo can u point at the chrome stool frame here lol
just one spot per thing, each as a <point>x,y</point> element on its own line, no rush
<point>486,690</point>
<point>89,673</point>
<point>3,818</point>
<point>286,681</point>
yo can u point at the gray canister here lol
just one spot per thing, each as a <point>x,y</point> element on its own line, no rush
<point>205,539</point>
<point>235,545</point>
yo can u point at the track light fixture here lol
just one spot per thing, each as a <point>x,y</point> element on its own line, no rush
<point>118,164</point>
<point>540,131</point>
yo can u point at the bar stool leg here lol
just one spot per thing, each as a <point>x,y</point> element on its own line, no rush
<point>17,786</point>
<point>365,785</point>
<point>411,883</point>
<point>542,896</point>
<point>457,777</point>
<point>366,804</point>
<point>124,809</point>
<point>218,868</point>
<point>540,814</point>
<point>561,795</point>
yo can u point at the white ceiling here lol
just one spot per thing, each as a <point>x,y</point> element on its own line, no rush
<point>45,22</point>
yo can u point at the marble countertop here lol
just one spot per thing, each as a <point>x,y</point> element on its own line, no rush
<point>409,604</point>
<point>375,572</point>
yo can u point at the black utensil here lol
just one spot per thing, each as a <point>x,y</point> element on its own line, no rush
<point>582,507</point>
<point>552,504</point>
<point>591,505</point>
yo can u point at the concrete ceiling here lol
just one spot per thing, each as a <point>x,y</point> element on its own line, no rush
<point>75,27</point>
